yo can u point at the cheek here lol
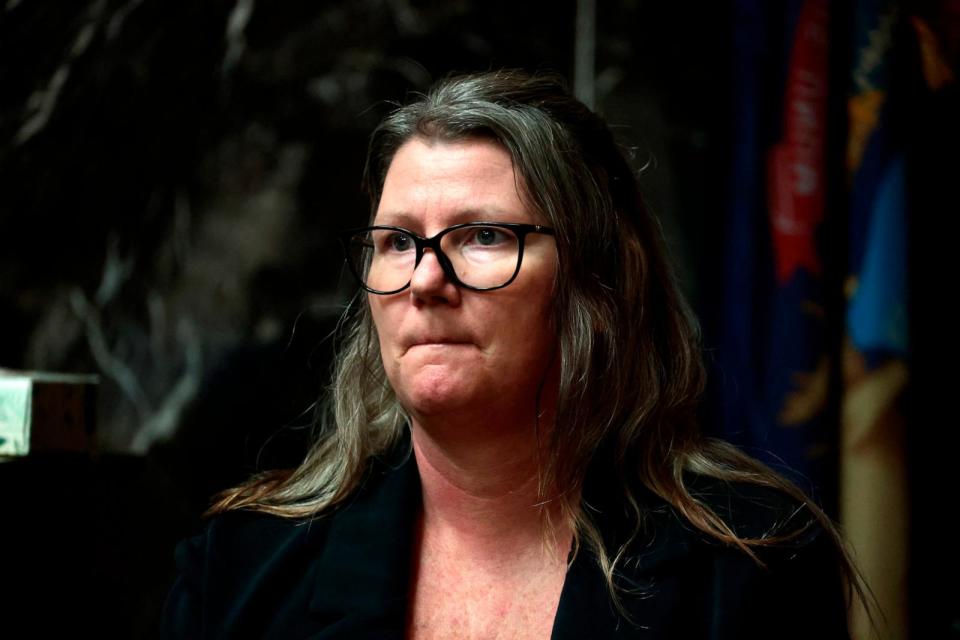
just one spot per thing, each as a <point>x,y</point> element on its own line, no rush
<point>528,329</point>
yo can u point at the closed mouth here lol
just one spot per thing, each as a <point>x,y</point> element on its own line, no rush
<point>437,343</point>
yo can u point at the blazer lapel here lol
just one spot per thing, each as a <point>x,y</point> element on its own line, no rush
<point>585,609</point>
<point>364,568</point>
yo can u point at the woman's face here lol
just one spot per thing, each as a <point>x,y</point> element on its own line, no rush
<point>446,348</point>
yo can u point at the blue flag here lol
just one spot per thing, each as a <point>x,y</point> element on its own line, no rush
<point>774,358</point>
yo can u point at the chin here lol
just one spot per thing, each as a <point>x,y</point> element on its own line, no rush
<point>435,391</point>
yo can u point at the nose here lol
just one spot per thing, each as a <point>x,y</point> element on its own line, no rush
<point>430,284</point>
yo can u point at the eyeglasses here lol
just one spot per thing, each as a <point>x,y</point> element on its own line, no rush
<point>481,256</point>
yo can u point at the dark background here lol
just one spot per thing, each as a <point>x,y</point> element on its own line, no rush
<point>171,177</point>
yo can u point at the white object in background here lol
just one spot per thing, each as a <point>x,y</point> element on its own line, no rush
<point>45,412</point>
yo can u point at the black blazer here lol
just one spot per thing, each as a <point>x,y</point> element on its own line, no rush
<point>345,575</point>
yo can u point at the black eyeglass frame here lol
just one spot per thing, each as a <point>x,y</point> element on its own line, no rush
<point>421,243</point>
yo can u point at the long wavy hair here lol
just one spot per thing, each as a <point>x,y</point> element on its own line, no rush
<point>631,368</point>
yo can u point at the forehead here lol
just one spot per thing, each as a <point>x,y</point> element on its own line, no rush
<point>436,183</point>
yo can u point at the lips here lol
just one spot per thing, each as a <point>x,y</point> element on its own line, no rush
<point>438,341</point>
<point>434,340</point>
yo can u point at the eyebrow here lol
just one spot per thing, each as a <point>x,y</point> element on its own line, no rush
<point>487,214</point>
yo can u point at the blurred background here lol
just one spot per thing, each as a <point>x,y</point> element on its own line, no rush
<point>172,174</point>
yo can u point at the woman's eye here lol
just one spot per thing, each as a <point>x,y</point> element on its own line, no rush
<point>399,242</point>
<point>488,236</point>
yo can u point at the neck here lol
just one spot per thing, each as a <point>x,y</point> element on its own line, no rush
<point>482,493</point>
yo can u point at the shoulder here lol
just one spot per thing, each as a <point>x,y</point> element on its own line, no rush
<point>250,532</point>
<point>753,512</point>
<point>757,511</point>
<point>780,529</point>
<point>251,574</point>
<point>237,558</point>
<point>688,577</point>
<point>777,520</point>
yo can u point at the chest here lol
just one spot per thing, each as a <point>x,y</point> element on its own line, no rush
<point>454,600</point>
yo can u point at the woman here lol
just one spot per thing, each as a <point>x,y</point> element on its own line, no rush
<point>513,450</point>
